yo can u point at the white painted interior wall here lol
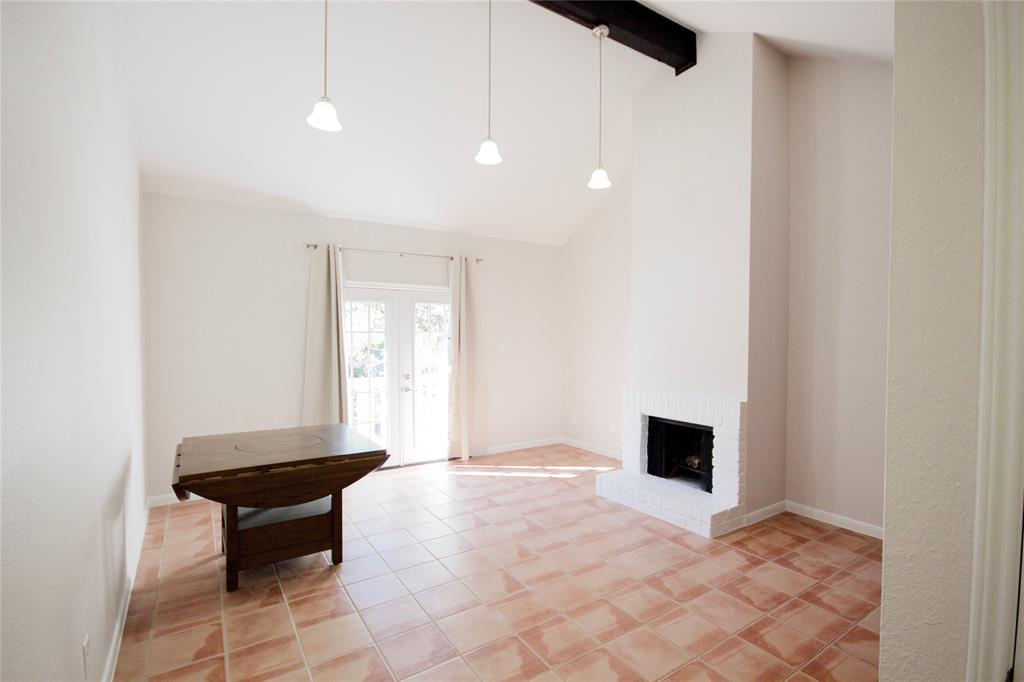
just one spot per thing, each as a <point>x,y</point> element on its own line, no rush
<point>224,294</point>
<point>769,275</point>
<point>597,322</point>
<point>840,174</point>
<point>934,339</point>
<point>72,491</point>
<point>690,243</point>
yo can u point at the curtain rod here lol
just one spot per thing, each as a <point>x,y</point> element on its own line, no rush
<point>310,245</point>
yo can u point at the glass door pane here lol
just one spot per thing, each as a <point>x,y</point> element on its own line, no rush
<point>369,347</point>
<point>426,375</point>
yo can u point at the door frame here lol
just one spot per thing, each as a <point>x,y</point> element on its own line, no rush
<point>398,337</point>
<point>996,636</point>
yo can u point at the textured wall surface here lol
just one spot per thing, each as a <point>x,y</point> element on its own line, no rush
<point>934,314</point>
<point>73,505</point>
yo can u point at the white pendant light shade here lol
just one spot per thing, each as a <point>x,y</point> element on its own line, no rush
<point>324,116</point>
<point>488,155</point>
<point>599,179</point>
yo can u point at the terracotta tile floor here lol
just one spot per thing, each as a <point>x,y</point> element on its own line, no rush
<point>508,568</point>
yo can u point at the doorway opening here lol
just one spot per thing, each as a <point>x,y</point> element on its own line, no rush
<point>396,353</point>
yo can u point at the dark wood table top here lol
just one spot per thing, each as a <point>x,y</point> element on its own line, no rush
<point>251,465</point>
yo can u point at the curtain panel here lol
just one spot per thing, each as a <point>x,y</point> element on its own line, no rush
<point>324,387</point>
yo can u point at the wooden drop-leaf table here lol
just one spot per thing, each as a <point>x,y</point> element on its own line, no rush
<point>281,489</point>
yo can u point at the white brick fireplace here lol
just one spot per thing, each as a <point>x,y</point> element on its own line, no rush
<point>673,500</point>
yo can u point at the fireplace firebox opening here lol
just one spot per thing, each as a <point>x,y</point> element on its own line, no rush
<point>681,450</point>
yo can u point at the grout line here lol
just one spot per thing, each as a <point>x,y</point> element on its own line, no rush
<point>228,674</point>
<point>291,619</point>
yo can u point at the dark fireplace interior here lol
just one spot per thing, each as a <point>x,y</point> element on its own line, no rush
<point>679,450</point>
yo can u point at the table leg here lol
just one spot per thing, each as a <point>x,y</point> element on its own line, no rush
<point>336,521</point>
<point>231,545</point>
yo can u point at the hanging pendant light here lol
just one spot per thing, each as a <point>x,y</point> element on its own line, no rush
<point>488,155</point>
<point>324,116</point>
<point>599,178</point>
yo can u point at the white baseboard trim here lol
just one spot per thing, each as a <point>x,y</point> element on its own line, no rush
<point>835,519</point>
<point>764,512</point>
<point>161,500</point>
<point>523,445</point>
<point>614,454</point>
<point>114,650</point>
<point>554,440</point>
<point>812,513</point>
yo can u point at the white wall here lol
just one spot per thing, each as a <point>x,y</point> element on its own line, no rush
<point>225,306</point>
<point>73,505</point>
<point>933,348</point>
<point>597,317</point>
<point>840,146</point>
<point>691,223</point>
<point>769,274</point>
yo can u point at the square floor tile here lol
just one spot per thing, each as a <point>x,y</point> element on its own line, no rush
<point>833,665</point>
<point>446,600</point>
<point>473,628</point>
<point>602,620</point>
<point>374,591</point>
<point>505,660</point>
<point>739,660</point>
<point>598,666</point>
<point>783,642</point>
<point>522,610</point>
<point>557,640</point>
<point>172,651</point>
<point>416,650</point>
<point>394,617</point>
<point>723,610</point>
<point>648,654</point>
<point>364,665</point>
<point>689,632</point>
<point>332,638</point>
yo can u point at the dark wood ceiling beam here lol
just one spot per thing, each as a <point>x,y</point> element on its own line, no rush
<point>635,26</point>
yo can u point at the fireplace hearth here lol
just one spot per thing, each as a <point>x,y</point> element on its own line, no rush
<point>680,450</point>
<point>682,501</point>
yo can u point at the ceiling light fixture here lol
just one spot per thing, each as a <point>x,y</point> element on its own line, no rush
<point>324,116</point>
<point>488,155</point>
<point>599,178</point>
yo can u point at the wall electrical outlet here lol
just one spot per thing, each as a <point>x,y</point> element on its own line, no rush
<point>85,658</point>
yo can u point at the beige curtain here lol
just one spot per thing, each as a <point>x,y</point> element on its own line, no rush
<point>461,287</point>
<point>324,388</point>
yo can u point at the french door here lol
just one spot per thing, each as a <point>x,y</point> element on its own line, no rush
<point>396,351</point>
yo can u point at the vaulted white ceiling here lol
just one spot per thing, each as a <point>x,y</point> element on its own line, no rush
<point>222,89</point>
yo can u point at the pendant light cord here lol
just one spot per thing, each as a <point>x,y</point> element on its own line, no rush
<point>325,49</point>
<point>489,50</point>
<point>600,94</point>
